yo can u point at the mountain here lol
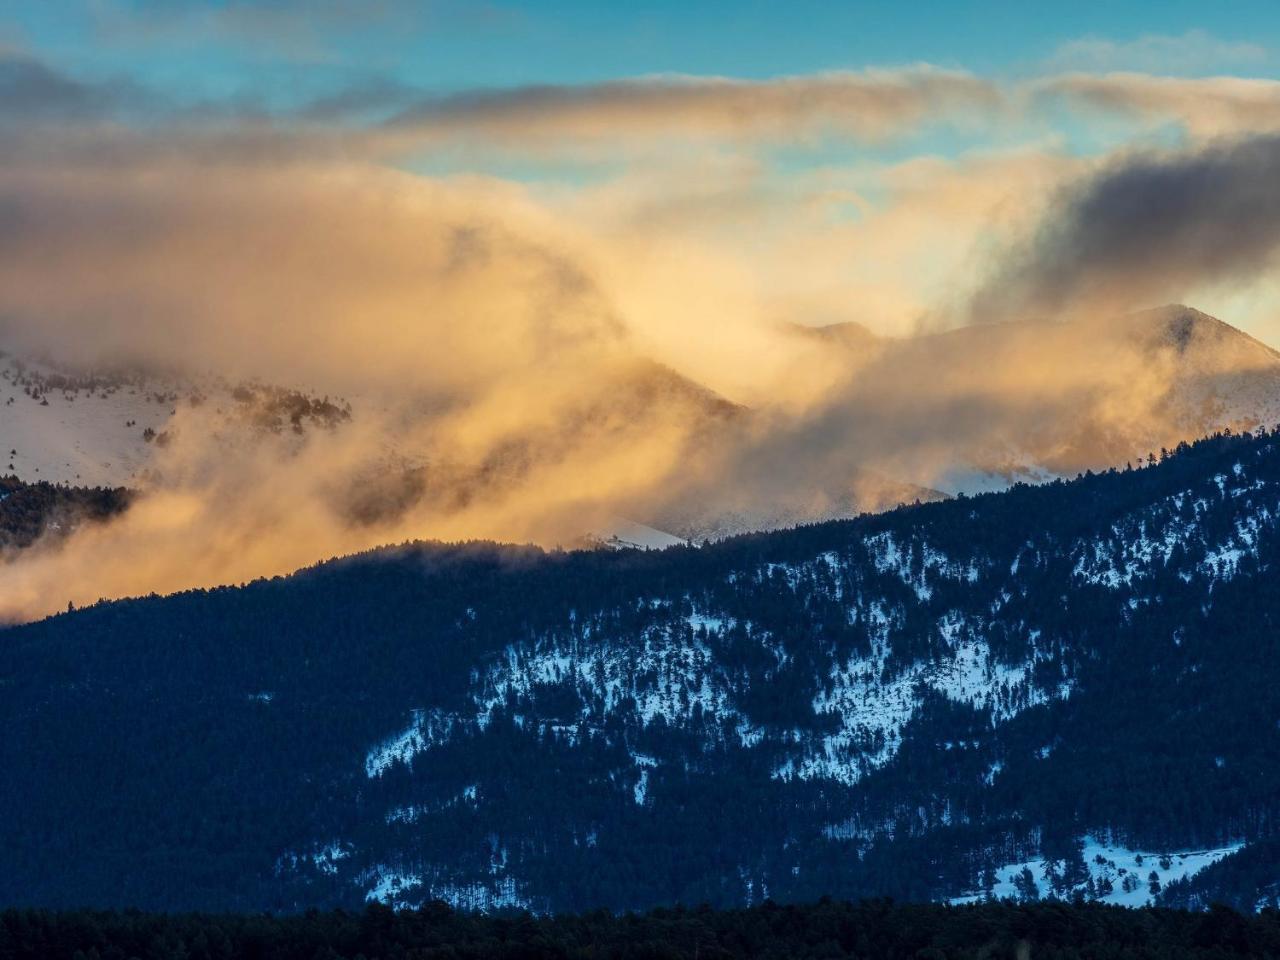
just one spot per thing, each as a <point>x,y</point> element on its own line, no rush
<point>1034,400</point>
<point>1068,689</point>
<point>1220,377</point>
<point>848,335</point>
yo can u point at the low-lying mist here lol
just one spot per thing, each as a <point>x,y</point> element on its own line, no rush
<point>530,363</point>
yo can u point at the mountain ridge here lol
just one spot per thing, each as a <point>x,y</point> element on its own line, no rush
<point>842,708</point>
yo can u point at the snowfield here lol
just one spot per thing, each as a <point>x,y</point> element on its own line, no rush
<point>1115,875</point>
<point>80,437</point>
<point>670,672</point>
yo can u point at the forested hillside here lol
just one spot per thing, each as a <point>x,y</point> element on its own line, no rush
<point>29,511</point>
<point>875,930</point>
<point>1066,691</point>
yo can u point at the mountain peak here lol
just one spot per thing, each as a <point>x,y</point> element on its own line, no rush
<point>847,333</point>
<point>1185,328</point>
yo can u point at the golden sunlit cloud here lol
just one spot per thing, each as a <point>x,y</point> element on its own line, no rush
<point>867,103</point>
<point>529,360</point>
<point>1207,107</point>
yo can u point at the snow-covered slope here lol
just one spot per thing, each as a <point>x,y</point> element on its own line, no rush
<point>1112,873</point>
<point>79,431</point>
<point>102,429</point>
<point>669,670</point>
<point>620,533</point>
<point>984,643</point>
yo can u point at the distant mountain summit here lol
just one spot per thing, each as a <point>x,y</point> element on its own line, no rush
<point>1033,400</point>
<point>1187,329</point>
<point>1218,377</point>
<point>848,335</point>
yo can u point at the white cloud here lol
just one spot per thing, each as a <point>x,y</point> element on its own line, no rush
<point>1189,53</point>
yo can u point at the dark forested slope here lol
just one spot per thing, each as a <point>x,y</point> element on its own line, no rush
<point>875,930</point>
<point>29,511</point>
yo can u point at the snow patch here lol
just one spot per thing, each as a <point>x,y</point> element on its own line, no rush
<point>1111,874</point>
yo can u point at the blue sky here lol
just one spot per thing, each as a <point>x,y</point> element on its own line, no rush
<point>284,49</point>
<point>275,55</point>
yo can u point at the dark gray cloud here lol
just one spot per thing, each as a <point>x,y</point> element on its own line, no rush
<point>1148,228</point>
<point>33,91</point>
<point>48,114</point>
<point>371,98</point>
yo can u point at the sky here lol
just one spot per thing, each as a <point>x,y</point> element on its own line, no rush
<point>201,49</point>
<point>483,220</point>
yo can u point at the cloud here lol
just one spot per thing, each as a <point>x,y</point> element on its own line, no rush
<point>864,104</point>
<point>1207,107</point>
<point>498,346</point>
<point>1147,227</point>
<point>518,354</point>
<point>324,268</point>
<point>497,342</point>
<point>33,92</point>
<point>380,117</point>
<point>1192,52</point>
